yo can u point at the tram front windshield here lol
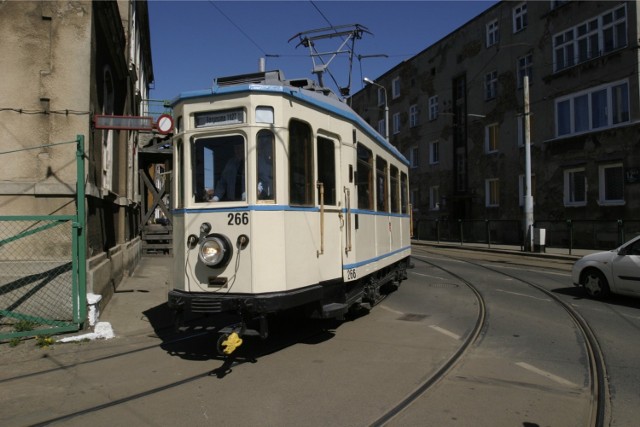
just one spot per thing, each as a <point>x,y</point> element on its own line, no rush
<point>219,169</point>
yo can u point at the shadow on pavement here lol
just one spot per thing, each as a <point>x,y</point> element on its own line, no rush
<point>197,338</point>
<point>572,291</point>
<point>618,300</point>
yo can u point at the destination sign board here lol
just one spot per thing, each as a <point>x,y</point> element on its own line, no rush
<point>219,118</point>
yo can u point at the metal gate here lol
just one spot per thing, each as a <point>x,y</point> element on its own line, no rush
<point>43,266</point>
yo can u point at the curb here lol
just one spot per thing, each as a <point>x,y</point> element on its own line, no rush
<point>519,252</point>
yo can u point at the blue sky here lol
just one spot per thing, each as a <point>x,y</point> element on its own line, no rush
<point>195,41</point>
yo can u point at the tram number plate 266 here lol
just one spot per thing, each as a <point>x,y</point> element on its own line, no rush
<point>351,274</point>
<point>238,218</point>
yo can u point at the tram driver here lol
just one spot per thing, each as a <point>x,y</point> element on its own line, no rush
<point>230,185</point>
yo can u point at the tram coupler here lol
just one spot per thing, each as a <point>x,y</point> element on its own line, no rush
<point>231,336</point>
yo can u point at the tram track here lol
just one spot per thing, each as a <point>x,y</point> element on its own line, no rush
<point>597,372</point>
<point>450,363</point>
<point>599,388</point>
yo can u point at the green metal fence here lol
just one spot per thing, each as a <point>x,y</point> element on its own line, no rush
<point>43,267</point>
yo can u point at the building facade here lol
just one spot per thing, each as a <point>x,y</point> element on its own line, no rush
<point>63,62</point>
<point>456,110</point>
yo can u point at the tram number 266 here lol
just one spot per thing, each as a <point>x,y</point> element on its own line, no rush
<point>351,274</point>
<point>238,218</point>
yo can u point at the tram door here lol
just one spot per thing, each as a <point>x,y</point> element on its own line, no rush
<point>327,201</point>
<point>348,203</point>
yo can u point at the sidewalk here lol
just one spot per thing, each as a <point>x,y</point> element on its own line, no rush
<point>138,305</point>
<point>556,253</point>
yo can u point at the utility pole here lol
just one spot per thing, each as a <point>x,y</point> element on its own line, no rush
<point>528,198</point>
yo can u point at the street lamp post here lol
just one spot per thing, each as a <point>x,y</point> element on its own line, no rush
<point>528,198</point>
<point>386,107</point>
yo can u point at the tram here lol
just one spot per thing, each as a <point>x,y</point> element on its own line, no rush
<point>283,198</point>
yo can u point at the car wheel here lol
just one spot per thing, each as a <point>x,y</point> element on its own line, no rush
<point>595,284</point>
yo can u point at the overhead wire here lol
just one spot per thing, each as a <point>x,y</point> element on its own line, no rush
<point>322,14</point>
<point>238,27</point>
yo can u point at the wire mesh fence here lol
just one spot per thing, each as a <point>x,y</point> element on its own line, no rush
<point>36,274</point>
<point>43,266</point>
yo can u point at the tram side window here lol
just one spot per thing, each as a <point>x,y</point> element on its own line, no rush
<point>395,188</point>
<point>326,166</point>
<point>219,169</point>
<point>403,192</point>
<point>300,164</point>
<point>266,166</point>
<point>382,184</point>
<point>365,178</point>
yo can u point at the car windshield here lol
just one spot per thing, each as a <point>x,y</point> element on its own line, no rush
<point>632,247</point>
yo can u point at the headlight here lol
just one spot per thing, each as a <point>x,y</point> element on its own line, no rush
<point>215,250</point>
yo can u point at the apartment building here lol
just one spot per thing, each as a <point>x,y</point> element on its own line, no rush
<point>456,110</point>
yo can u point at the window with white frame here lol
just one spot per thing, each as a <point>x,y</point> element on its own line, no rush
<point>614,29</point>
<point>434,198</point>
<point>520,19</point>
<point>587,40</point>
<point>491,138</point>
<point>413,156</point>
<point>413,116</point>
<point>575,187</point>
<point>493,33</point>
<point>525,68</point>
<point>490,85</point>
<point>396,123</point>
<point>434,152</point>
<point>611,184</point>
<point>603,34</point>
<point>395,88</point>
<point>433,107</point>
<point>619,103</point>
<point>563,50</point>
<point>596,108</point>
<point>492,192</point>
<point>522,188</point>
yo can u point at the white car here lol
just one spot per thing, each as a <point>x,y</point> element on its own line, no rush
<point>616,271</point>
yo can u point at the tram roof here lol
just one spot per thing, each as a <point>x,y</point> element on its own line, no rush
<point>309,93</point>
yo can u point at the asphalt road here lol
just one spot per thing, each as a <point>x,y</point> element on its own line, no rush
<point>527,366</point>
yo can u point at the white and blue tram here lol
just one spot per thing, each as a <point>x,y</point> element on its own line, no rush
<point>283,197</point>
